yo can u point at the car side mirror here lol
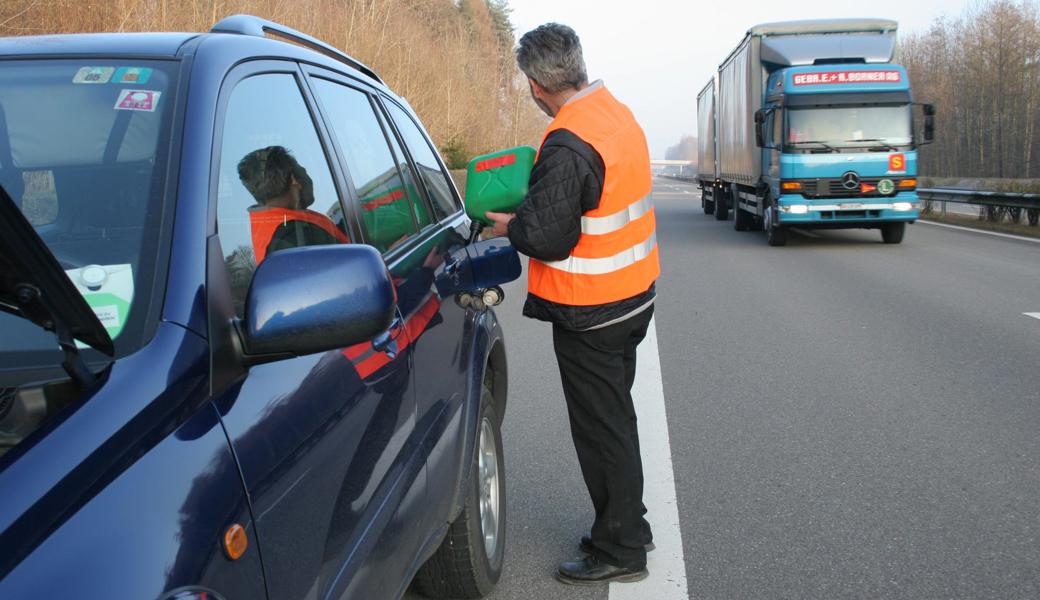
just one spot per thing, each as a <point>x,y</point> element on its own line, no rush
<point>314,299</point>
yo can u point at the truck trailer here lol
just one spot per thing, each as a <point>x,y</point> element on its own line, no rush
<point>809,124</point>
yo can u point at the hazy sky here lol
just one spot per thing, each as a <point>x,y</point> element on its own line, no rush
<point>655,55</point>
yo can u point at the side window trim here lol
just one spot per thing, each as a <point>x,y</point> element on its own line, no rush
<point>355,201</point>
<point>256,69</point>
<point>411,161</point>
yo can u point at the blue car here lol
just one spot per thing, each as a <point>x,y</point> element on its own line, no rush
<point>244,351</point>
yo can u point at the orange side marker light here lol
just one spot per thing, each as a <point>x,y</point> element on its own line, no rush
<point>235,541</point>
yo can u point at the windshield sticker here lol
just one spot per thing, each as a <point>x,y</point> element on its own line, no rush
<point>142,100</point>
<point>108,290</point>
<point>93,75</point>
<point>132,75</point>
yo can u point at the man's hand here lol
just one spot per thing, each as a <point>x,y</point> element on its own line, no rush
<point>501,223</point>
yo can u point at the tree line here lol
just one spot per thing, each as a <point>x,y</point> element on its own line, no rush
<point>982,72</point>
<point>451,59</point>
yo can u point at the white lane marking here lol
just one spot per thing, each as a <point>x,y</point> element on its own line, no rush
<point>667,565</point>
<point>983,231</point>
<point>1034,315</point>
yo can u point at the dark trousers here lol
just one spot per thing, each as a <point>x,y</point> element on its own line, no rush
<point>598,368</point>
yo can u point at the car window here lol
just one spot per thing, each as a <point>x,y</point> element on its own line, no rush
<point>275,188</point>
<point>436,180</point>
<point>83,155</point>
<point>391,210</point>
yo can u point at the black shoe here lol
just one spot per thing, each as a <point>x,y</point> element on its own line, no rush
<point>592,571</point>
<point>586,545</point>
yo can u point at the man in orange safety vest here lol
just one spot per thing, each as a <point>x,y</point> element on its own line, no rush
<point>587,224</point>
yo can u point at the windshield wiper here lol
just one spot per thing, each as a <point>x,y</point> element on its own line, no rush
<point>34,286</point>
<point>824,144</point>
<point>880,142</point>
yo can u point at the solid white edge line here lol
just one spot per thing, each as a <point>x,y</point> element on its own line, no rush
<point>667,565</point>
<point>1035,315</point>
<point>983,231</point>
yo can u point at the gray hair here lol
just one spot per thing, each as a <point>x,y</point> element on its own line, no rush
<point>551,55</point>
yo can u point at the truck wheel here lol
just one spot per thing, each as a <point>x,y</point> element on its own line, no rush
<point>721,205</point>
<point>742,219</point>
<point>469,561</point>
<point>892,233</point>
<point>707,205</point>
<point>776,235</point>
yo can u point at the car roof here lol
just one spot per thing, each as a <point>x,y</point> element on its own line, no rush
<point>97,44</point>
<point>233,47</point>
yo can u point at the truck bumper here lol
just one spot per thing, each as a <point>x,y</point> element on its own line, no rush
<point>848,212</point>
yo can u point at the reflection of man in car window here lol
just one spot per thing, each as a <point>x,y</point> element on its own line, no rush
<point>283,191</point>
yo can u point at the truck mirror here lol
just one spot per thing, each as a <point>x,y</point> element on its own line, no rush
<point>759,139</point>
<point>929,110</point>
<point>929,128</point>
<point>760,116</point>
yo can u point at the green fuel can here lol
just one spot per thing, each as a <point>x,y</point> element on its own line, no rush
<point>497,182</point>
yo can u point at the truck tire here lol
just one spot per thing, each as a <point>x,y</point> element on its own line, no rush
<point>742,219</point>
<point>707,205</point>
<point>776,234</point>
<point>892,233</point>
<point>721,204</point>
<point>469,562</point>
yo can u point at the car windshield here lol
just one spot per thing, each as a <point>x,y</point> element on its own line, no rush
<point>849,125</point>
<point>83,153</point>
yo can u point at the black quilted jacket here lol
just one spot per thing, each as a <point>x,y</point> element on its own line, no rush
<point>565,183</point>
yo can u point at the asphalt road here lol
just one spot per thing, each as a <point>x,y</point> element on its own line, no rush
<point>847,419</point>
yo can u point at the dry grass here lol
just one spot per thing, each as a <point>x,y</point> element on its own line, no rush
<point>451,60</point>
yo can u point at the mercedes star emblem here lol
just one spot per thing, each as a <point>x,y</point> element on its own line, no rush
<point>850,180</point>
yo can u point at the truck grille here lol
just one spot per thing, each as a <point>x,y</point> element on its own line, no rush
<point>832,188</point>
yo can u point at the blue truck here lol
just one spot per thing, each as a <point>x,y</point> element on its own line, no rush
<point>809,124</point>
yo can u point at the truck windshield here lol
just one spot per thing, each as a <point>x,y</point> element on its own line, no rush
<point>849,126</point>
<point>83,153</point>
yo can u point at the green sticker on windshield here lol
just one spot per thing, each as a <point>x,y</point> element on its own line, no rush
<point>108,290</point>
<point>132,75</point>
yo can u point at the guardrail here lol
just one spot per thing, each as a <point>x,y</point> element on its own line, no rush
<point>994,205</point>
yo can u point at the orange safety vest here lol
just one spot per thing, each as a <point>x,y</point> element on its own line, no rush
<point>265,222</point>
<point>616,256</point>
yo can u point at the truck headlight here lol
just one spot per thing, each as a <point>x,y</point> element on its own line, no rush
<point>902,206</point>
<point>796,209</point>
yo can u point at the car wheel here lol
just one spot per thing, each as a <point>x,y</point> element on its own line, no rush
<point>721,205</point>
<point>742,219</point>
<point>892,233</point>
<point>469,561</point>
<point>776,235</point>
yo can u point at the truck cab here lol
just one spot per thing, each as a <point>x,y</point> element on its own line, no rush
<point>838,147</point>
<point>809,124</point>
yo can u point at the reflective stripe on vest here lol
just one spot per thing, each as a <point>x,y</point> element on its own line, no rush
<point>616,256</point>
<point>614,222</point>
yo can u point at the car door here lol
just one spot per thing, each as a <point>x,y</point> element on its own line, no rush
<point>327,443</point>
<point>442,352</point>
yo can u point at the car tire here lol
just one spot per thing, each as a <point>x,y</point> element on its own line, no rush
<point>468,564</point>
<point>721,205</point>
<point>776,234</point>
<point>892,233</point>
<point>742,219</point>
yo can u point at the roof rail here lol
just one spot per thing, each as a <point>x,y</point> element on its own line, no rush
<point>255,26</point>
